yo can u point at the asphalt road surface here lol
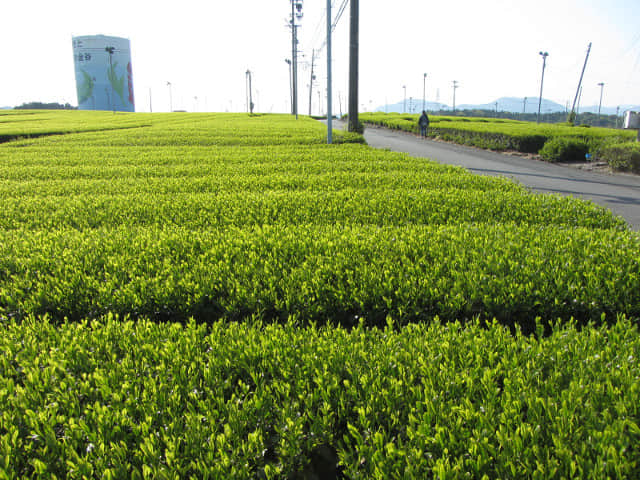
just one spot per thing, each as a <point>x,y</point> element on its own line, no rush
<point>620,193</point>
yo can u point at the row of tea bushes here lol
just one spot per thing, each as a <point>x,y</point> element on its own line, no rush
<point>120,399</point>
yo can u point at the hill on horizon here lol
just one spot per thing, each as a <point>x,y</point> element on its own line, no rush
<point>504,104</point>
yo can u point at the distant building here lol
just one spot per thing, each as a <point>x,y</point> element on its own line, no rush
<point>104,78</point>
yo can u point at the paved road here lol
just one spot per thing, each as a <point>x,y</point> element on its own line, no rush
<point>620,192</point>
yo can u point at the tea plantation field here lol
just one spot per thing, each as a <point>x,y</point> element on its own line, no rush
<point>225,296</point>
<point>555,142</point>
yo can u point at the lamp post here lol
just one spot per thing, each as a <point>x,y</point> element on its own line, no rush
<point>404,105</point>
<point>290,84</point>
<point>424,91</point>
<point>250,102</point>
<point>544,64</point>
<point>111,75</point>
<point>455,87</point>
<point>601,85</point>
<point>170,97</point>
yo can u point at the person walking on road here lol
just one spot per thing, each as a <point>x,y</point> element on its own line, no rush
<point>424,124</point>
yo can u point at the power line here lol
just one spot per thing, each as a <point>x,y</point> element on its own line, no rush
<point>339,15</point>
<point>334,24</point>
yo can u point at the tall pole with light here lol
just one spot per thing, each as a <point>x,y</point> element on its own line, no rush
<point>170,97</point>
<point>290,83</point>
<point>250,102</point>
<point>544,64</point>
<point>404,104</point>
<point>111,75</point>
<point>455,87</point>
<point>601,85</point>
<point>424,91</point>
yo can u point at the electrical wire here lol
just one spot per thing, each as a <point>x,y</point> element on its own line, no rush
<point>334,23</point>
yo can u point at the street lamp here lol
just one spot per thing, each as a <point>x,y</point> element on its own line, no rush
<point>544,64</point>
<point>601,85</point>
<point>170,97</point>
<point>455,86</point>
<point>290,84</point>
<point>111,75</point>
<point>424,91</point>
<point>404,105</point>
<point>250,102</point>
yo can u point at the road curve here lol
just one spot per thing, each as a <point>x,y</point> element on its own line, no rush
<point>620,193</point>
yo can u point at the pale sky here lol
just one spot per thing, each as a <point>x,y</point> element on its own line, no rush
<point>490,47</point>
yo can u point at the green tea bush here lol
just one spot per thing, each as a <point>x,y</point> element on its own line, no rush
<point>622,156</point>
<point>118,399</point>
<point>499,134</point>
<point>358,282</point>
<point>564,150</point>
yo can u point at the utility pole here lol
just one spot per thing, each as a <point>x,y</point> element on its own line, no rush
<point>354,124</point>
<point>294,54</point>
<point>296,15</point>
<point>424,91</point>
<point>572,115</point>
<point>455,87</point>
<point>601,85</point>
<point>544,64</point>
<point>524,105</point>
<point>313,56</point>
<point>170,97</point>
<point>329,92</point>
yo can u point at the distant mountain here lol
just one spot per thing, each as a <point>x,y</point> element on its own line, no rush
<point>504,104</point>
<point>517,105</point>
<point>412,106</point>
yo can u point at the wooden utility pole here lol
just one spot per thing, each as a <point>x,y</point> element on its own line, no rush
<point>354,124</point>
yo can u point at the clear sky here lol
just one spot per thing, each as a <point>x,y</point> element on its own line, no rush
<point>490,47</point>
